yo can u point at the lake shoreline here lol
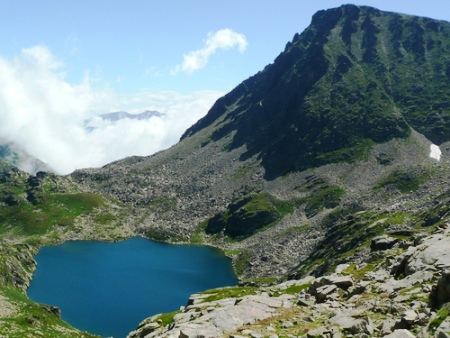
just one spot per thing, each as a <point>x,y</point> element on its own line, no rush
<point>187,277</point>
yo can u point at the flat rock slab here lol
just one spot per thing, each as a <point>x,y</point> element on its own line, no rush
<point>225,316</point>
<point>318,333</point>
<point>402,333</point>
<point>432,253</point>
<point>341,281</point>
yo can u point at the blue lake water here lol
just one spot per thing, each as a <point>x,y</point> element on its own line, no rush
<point>109,288</point>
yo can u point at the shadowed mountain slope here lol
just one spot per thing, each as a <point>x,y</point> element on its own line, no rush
<point>355,76</point>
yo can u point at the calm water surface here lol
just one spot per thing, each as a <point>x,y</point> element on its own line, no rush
<point>108,288</point>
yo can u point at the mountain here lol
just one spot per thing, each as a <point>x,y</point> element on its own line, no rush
<point>291,170</point>
<point>324,177</point>
<point>355,76</point>
<point>91,124</point>
<point>15,155</point>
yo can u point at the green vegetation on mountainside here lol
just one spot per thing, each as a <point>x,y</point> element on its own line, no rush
<point>28,319</point>
<point>257,212</point>
<point>32,205</point>
<point>31,209</point>
<point>349,230</point>
<point>356,76</point>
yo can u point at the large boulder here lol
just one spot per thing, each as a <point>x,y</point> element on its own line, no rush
<point>383,242</point>
<point>441,292</point>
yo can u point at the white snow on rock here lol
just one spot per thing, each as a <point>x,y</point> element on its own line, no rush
<point>435,152</point>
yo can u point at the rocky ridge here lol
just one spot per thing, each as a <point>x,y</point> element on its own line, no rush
<point>402,291</point>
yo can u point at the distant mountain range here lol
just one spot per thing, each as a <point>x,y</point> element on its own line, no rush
<point>15,155</point>
<point>114,117</point>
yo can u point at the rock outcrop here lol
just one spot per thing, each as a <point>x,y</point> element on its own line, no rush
<point>365,300</point>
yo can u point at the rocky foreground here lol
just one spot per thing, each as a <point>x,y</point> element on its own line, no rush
<point>402,291</point>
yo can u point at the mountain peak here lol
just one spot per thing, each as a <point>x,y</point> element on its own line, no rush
<point>356,76</point>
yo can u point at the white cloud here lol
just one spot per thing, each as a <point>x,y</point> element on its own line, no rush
<point>223,39</point>
<point>43,114</point>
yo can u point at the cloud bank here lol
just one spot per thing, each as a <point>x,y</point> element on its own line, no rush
<point>223,39</point>
<point>45,115</point>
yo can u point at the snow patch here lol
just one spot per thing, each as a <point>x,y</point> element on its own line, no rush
<point>435,152</point>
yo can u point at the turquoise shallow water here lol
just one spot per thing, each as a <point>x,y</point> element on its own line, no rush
<point>108,288</point>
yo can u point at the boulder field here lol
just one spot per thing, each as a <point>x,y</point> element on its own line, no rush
<point>403,290</point>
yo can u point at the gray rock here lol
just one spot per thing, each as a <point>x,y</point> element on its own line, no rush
<point>287,324</point>
<point>318,333</point>
<point>341,281</point>
<point>432,254</point>
<point>305,300</point>
<point>441,334</point>
<point>324,291</point>
<point>401,333</point>
<point>440,294</point>
<point>341,267</point>
<point>388,326</point>
<point>149,328</point>
<point>383,242</point>
<point>410,316</point>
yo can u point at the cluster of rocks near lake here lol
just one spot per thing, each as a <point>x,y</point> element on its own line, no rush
<point>400,295</point>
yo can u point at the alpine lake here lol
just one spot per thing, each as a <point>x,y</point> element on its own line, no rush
<point>109,288</point>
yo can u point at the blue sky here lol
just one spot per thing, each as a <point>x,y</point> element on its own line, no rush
<point>62,62</point>
<point>135,44</point>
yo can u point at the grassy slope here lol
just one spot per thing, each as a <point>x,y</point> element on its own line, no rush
<point>38,210</point>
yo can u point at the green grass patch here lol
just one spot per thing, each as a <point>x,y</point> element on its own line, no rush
<point>358,152</point>
<point>250,214</point>
<point>163,204</point>
<point>231,253</point>
<point>32,318</point>
<point>241,262</point>
<point>167,318</point>
<point>359,273</point>
<point>328,197</point>
<point>402,180</point>
<point>241,172</point>
<point>229,292</point>
<point>441,315</point>
<point>104,218</point>
<point>32,219</point>
<point>292,290</point>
